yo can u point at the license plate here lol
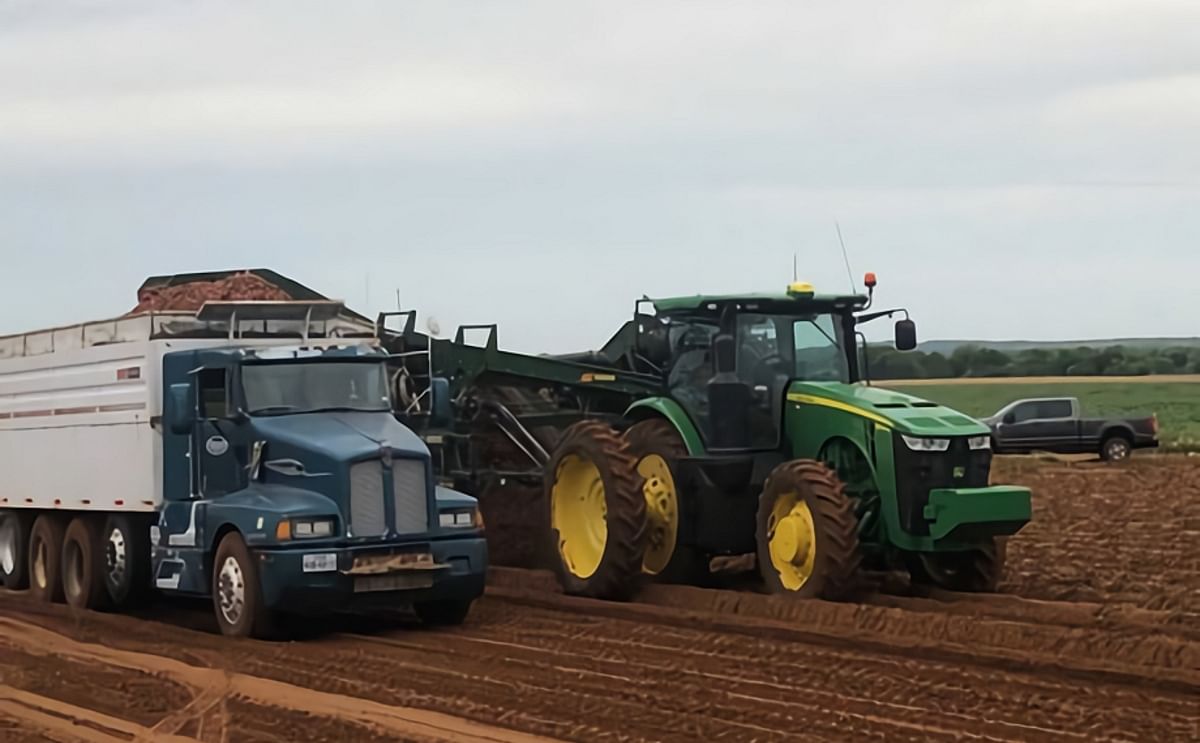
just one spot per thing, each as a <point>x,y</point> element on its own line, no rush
<point>393,582</point>
<point>320,563</point>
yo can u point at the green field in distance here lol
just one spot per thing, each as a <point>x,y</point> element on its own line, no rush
<point>1177,401</point>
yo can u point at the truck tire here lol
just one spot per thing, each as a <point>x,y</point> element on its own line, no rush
<point>1116,447</point>
<point>597,512</point>
<point>446,613</point>
<point>14,549</point>
<point>45,558</point>
<point>126,546</point>
<point>657,445</point>
<point>83,564</point>
<point>237,592</point>
<point>979,570</point>
<point>807,533</point>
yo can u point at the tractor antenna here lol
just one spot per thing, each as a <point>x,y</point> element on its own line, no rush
<point>795,270</point>
<point>399,308</point>
<point>845,255</point>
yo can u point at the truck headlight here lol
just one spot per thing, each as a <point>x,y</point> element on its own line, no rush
<point>312,528</point>
<point>979,442</point>
<point>919,443</point>
<point>460,518</point>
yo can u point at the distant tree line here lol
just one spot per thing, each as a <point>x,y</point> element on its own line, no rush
<point>977,361</point>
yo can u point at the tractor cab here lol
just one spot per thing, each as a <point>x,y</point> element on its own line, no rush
<point>731,358</point>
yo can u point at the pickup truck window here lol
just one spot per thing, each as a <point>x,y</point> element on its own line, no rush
<point>1042,410</point>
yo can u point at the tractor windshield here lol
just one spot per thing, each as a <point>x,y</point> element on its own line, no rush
<point>771,347</point>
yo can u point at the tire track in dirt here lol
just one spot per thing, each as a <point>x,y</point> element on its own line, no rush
<point>219,684</point>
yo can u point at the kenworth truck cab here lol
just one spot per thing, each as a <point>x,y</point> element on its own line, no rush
<point>247,452</point>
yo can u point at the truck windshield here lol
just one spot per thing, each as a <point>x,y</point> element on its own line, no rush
<point>280,388</point>
<point>805,348</point>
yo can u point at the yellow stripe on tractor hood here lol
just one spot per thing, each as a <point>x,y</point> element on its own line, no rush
<point>905,413</point>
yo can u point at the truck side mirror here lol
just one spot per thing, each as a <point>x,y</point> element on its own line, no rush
<point>180,414</point>
<point>906,335</point>
<point>1009,418</point>
<point>441,415</point>
<point>724,354</point>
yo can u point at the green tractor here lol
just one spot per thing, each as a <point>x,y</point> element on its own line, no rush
<point>713,426</point>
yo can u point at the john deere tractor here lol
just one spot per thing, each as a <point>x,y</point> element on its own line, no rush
<point>711,426</point>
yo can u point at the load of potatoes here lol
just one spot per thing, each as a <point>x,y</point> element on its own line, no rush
<point>240,287</point>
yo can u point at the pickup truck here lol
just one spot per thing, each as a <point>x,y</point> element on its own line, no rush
<point>1055,425</point>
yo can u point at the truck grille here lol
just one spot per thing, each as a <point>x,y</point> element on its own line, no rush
<point>919,472</point>
<point>367,515</point>
<point>409,498</point>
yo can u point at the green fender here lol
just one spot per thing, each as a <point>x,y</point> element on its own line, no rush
<point>673,412</point>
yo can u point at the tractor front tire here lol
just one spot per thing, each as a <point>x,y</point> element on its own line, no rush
<point>978,570</point>
<point>597,512</point>
<point>657,445</point>
<point>807,533</point>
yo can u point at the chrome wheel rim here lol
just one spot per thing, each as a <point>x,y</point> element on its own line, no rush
<point>116,558</point>
<point>231,591</point>
<point>1118,449</point>
<point>8,545</point>
<point>39,564</point>
<point>72,570</point>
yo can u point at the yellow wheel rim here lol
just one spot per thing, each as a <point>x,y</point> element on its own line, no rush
<point>792,541</point>
<point>578,512</point>
<point>662,512</point>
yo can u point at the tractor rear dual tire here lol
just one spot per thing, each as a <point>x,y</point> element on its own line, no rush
<point>45,558</point>
<point>597,512</point>
<point>657,445</point>
<point>82,564</point>
<point>807,533</point>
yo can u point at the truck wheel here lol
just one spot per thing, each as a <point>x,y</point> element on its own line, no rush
<point>442,613</point>
<point>597,512</point>
<point>807,533</point>
<point>83,565</point>
<point>45,558</point>
<point>978,570</point>
<point>1115,448</point>
<point>237,593</point>
<point>657,446</point>
<point>14,549</point>
<point>126,546</point>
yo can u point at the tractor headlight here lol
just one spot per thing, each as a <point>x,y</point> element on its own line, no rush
<point>919,443</point>
<point>312,528</point>
<point>460,518</point>
<point>979,442</point>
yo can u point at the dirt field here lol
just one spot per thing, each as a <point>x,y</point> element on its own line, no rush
<point>1097,637</point>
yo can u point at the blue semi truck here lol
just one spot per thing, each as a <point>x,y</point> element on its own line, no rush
<point>247,452</point>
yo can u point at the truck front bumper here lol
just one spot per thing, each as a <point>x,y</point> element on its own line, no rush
<point>968,514</point>
<point>327,580</point>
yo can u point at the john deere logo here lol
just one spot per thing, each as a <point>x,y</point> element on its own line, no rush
<point>960,472</point>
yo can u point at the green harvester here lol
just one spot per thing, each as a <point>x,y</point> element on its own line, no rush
<point>713,426</point>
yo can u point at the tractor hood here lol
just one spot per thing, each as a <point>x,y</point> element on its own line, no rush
<point>904,413</point>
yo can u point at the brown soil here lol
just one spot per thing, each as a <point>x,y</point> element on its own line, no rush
<point>1095,638</point>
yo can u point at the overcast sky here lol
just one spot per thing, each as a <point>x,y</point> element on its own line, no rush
<point>1008,169</point>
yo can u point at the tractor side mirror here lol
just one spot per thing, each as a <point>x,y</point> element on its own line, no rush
<point>441,415</point>
<point>724,354</point>
<point>906,335</point>
<point>180,414</point>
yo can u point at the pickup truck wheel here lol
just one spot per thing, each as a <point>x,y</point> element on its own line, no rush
<point>45,559</point>
<point>442,613</point>
<point>14,549</point>
<point>1115,448</point>
<point>83,565</point>
<point>237,592</point>
<point>126,545</point>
